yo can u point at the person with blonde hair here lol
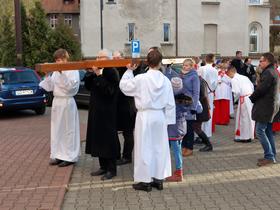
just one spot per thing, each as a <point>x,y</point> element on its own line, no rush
<point>191,88</point>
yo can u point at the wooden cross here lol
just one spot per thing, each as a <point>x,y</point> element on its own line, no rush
<point>86,64</point>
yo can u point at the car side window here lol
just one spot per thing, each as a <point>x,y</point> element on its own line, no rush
<point>82,75</point>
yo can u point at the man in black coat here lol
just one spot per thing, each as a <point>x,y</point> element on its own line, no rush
<point>266,105</point>
<point>238,63</point>
<point>126,114</point>
<point>102,137</point>
<point>249,70</point>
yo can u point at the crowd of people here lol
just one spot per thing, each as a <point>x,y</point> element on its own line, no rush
<point>158,108</point>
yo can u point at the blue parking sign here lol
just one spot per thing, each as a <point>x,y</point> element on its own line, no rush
<point>135,48</point>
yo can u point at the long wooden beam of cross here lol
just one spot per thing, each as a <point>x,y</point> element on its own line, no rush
<point>86,64</point>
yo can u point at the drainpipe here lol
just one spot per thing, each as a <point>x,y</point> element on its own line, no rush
<point>176,28</point>
<point>101,24</point>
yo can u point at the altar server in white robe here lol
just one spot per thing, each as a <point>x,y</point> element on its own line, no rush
<point>210,75</point>
<point>242,88</point>
<point>65,127</point>
<point>154,101</point>
<point>223,95</point>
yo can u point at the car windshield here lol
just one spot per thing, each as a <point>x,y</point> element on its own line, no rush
<point>13,77</point>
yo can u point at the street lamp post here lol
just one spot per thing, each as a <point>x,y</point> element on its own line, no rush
<point>18,33</point>
<point>101,24</point>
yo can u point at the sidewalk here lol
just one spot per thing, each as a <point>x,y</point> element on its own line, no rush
<point>225,179</point>
<point>26,179</point>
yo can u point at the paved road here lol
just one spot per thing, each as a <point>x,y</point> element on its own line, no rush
<point>26,179</point>
<point>226,178</point>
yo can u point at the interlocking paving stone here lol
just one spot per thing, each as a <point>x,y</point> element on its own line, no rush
<point>26,179</point>
<point>226,178</point>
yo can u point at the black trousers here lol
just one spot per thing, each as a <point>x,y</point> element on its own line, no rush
<point>189,137</point>
<point>197,129</point>
<point>108,164</point>
<point>127,145</point>
<point>194,127</point>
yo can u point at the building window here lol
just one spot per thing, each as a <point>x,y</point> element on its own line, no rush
<point>53,20</point>
<point>111,2</point>
<point>166,32</point>
<point>131,31</point>
<point>68,1</point>
<point>255,2</point>
<point>68,20</point>
<point>254,39</point>
<point>210,38</point>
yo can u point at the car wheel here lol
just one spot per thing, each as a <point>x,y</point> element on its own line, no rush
<point>40,111</point>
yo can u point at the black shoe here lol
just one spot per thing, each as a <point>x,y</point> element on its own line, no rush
<point>243,140</point>
<point>54,162</point>
<point>207,148</point>
<point>237,140</point>
<point>108,175</point>
<point>65,163</point>
<point>123,161</point>
<point>98,172</point>
<point>142,186</point>
<point>198,141</point>
<point>158,184</point>
<point>247,140</point>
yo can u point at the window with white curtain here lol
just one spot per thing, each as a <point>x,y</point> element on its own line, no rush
<point>68,20</point>
<point>166,32</point>
<point>53,20</point>
<point>254,39</point>
<point>131,31</point>
<point>255,2</point>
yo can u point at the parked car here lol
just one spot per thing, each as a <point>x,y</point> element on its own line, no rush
<point>19,90</point>
<point>81,98</point>
<point>83,95</point>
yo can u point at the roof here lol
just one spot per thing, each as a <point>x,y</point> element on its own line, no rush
<point>61,6</point>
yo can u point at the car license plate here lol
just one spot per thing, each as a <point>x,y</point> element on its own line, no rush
<point>24,92</point>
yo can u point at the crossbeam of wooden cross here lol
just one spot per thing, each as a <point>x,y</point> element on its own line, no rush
<point>86,64</point>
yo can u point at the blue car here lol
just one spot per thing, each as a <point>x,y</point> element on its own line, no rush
<point>19,90</point>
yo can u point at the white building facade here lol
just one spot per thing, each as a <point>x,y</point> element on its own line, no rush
<point>179,27</point>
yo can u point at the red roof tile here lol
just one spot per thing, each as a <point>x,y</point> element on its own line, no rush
<point>61,6</point>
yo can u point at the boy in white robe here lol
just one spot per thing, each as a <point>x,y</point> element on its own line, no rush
<point>210,75</point>
<point>242,88</point>
<point>154,100</point>
<point>65,127</point>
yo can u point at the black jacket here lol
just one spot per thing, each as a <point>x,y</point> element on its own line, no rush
<point>204,116</point>
<point>249,72</point>
<point>126,111</point>
<point>102,139</point>
<point>265,97</point>
<point>239,65</point>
